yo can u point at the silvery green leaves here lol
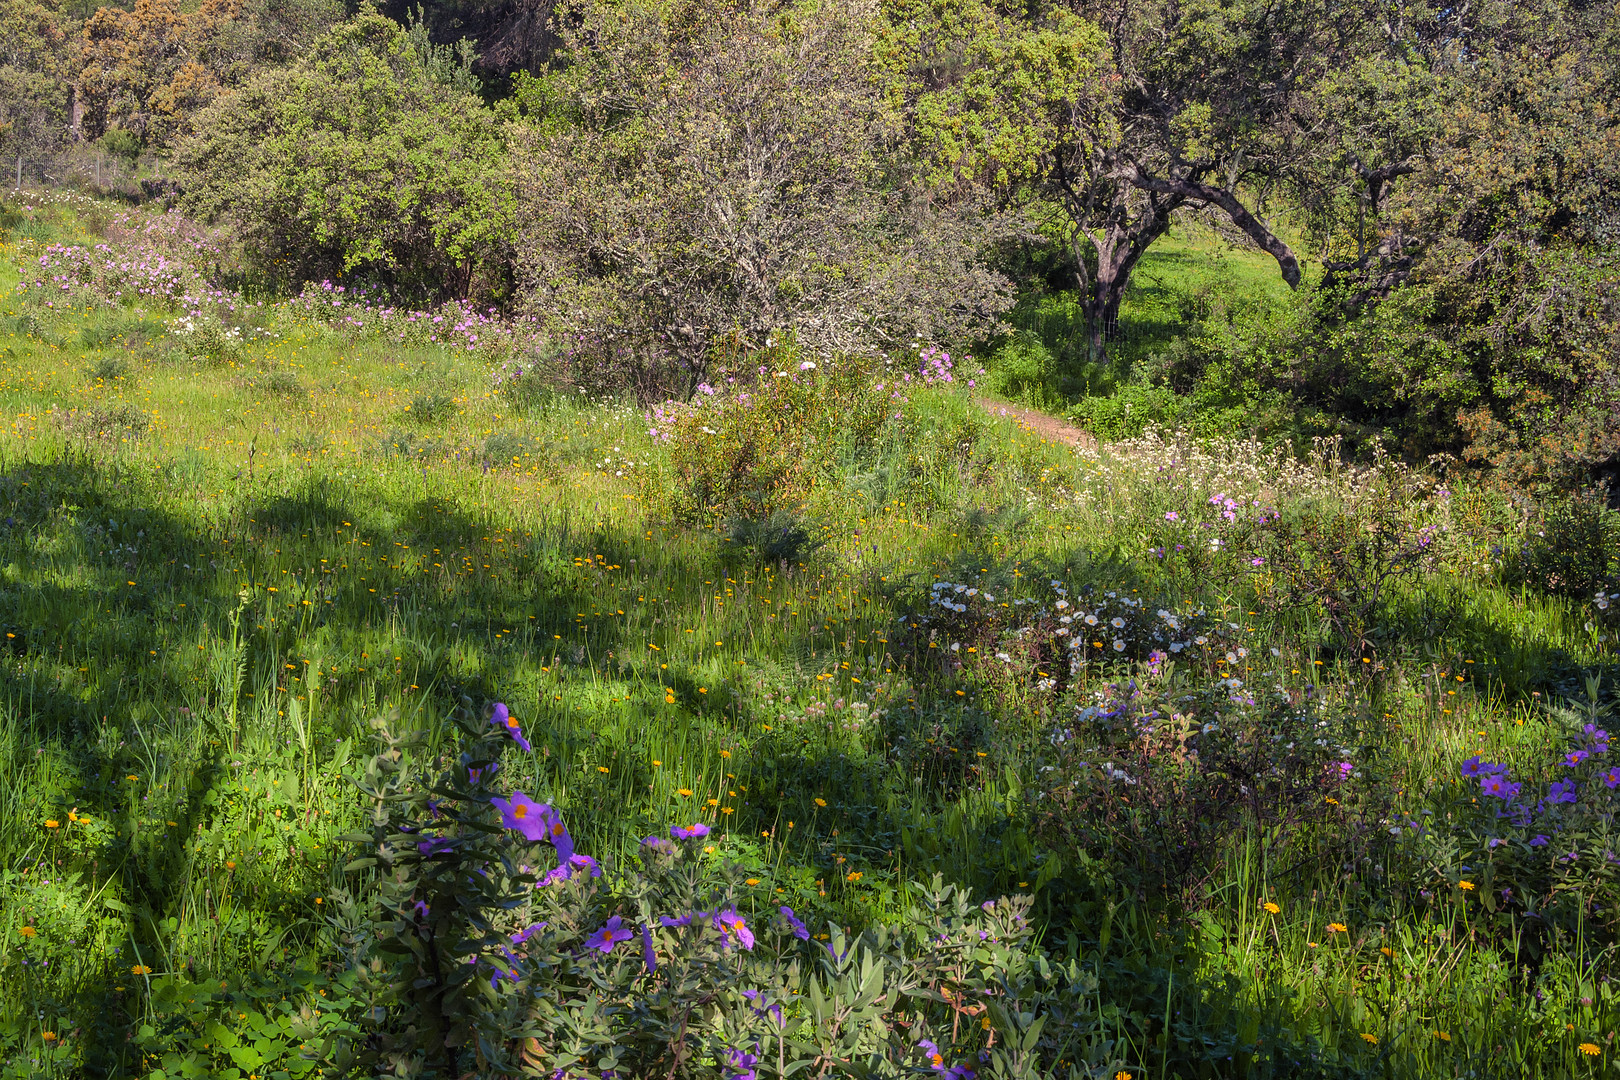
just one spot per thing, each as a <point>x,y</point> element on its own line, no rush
<point>467,952</point>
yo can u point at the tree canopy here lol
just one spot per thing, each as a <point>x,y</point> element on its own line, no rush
<point>1436,184</point>
<point>364,158</point>
<point>694,175</point>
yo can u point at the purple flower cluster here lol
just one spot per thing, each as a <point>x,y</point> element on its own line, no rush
<point>731,925</point>
<point>1494,781</point>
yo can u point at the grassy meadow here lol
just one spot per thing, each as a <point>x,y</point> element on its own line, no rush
<point>217,568</point>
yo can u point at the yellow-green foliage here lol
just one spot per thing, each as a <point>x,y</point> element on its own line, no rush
<point>797,425</point>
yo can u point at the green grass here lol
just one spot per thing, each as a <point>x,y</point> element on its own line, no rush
<point>215,572</point>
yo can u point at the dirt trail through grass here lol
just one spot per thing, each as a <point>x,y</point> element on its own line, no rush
<point>1047,427</point>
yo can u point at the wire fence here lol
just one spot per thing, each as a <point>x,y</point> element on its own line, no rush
<point>82,167</point>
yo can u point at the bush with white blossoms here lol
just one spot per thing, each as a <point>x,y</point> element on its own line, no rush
<point>1161,732</point>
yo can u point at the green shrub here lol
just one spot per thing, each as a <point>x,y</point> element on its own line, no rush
<point>767,446</point>
<point>106,368</point>
<point>488,938</point>
<point>430,406</point>
<point>208,341</point>
<point>1022,369</point>
<point>280,382</point>
<point>412,446</point>
<point>514,449</point>
<point>1129,411</point>
<point>358,160</point>
<point>1574,548</point>
<point>780,537</point>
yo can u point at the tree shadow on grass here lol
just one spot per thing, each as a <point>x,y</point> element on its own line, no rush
<point>125,614</point>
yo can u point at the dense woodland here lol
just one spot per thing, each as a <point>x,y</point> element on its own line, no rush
<point>1436,183</point>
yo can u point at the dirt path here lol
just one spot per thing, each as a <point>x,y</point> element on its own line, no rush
<point>1047,427</point>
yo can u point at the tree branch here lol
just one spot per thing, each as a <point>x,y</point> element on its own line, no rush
<point>1268,241</point>
<point>1379,178</point>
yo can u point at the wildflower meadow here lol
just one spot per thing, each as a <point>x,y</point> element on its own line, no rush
<point>381,697</point>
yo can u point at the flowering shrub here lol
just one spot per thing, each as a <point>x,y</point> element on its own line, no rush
<point>1535,843</point>
<point>456,324</point>
<point>1316,537</point>
<point>1154,771</point>
<point>1064,632</point>
<point>163,260</point>
<point>765,439</point>
<point>1161,733</point>
<point>490,944</point>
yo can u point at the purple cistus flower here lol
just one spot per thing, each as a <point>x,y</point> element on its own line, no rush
<point>1611,778</point>
<point>503,719</point>
<point>648,957</point>
<point>610,935</point>
<point>1574,758</point>
<point>528,817</point>
<point>689,832</point>
<point>568,867</point>
<point>936,1061</point>
<point>436,845</point>
<point>524,935</point>
<point>1498,785</point>
<point>742,1065</point>
<point>557,836</point>
<point>1539,840</point>
<point>731,925</point>
<point>1562,791</point>
<point>800,931</point>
